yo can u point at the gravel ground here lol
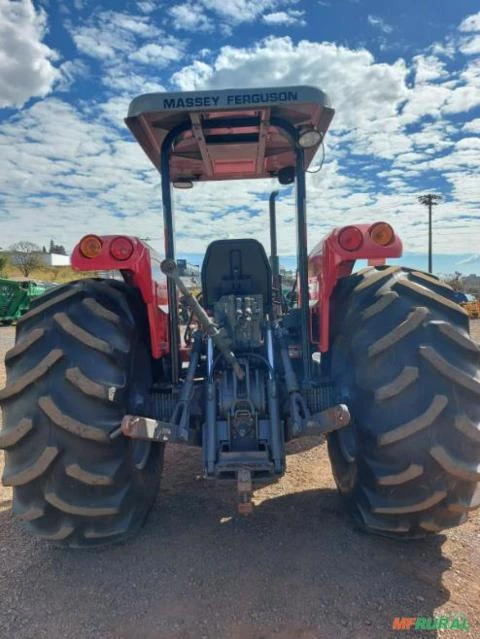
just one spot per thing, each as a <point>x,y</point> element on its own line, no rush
<point>294,569</point>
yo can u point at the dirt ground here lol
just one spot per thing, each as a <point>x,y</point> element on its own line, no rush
<point>294,569</point>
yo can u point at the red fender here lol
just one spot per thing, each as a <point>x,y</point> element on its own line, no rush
<point>143,269</point>
<point>328,262</point>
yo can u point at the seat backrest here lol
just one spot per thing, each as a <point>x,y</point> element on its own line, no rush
<point>236,267</point>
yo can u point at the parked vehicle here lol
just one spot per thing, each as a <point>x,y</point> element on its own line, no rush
<point>16,297</point>
<point>380,360</point>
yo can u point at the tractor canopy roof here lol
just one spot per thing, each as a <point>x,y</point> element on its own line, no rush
<point>231,133</point>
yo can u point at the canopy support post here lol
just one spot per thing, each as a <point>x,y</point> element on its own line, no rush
<point>169,240</point>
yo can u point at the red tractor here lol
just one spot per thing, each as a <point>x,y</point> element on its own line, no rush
<point>380,360</point>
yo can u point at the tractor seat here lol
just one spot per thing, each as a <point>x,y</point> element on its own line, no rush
<point>236,267</point>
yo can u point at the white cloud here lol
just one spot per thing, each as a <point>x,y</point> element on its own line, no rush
<point>114,111</point>
<point>469,143</point>
<point>428,68</point>
<point>423,100</point>
<point>63,162</point>
<point>108,35</point>
<point>448,48</point>
<point>62,172</point>
<point>125,79</point>
<point>146,6</point>
<point>125,22</point>
<point>70,71</point>
<point>379,23</point>
<point>196,75</point>
<point>465,190</point>
<point>472,259</point>
<point>472,23</point>
<point>470,46</point>
<point>374,106</point>
<point>69,172</point>
<point>26,68</point>
<point>463,99</point>
<point>284,18</point>
<point>238,11</point>
<point>472,127</point>
<point>360,88</point>
<point>157,55</point>
<point>190,17</point>
<point>120,41</point>
<point>433,135</point>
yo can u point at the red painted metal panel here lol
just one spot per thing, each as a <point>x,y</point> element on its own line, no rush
<point>144,268</point>
<point>327,263</point>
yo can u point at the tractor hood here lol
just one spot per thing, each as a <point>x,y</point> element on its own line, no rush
<point>229,134</point>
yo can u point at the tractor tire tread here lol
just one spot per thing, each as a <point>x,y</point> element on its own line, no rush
<point>411,323</point>
<point>454,466</point>
<point>453,373</point>
<point>11,436</point>
<point>99,510</point>
<point>380,305</point>
<point>468,428</point>
<point>54,300</point>
<point>83,336</point>
<point>27,512</point>
<point>91,479</point>
<point>426,419</point>
<point>413,394</point>
<point>32,376</point>
<point>28,473</point>
<point>24,344</point>
<point>403,380</point>
<point>101,311</point>
<point>85,384</point>
<point>451,333</point>
<point>67,389</point>
<point>73,426</point>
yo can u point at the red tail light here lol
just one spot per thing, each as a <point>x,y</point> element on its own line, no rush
<point>121,248</point>
<point>350,238</point>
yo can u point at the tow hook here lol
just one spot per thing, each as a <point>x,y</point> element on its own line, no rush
<point>244,492</point>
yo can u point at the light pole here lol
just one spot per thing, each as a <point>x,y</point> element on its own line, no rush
<point>430,200</point>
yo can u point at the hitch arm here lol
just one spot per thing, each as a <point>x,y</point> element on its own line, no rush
<point>328,420</point>
<point>299,412</point>
<point>178,428</point>
<point>169,268</point>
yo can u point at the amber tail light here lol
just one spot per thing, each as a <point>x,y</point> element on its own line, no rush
<point>381,233</point>
<point>90,246</point>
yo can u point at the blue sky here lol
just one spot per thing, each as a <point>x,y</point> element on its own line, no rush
<point>404,78</point>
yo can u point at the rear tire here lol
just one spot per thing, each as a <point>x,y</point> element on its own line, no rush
<point>409,464</point>
<point>79,364</point>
